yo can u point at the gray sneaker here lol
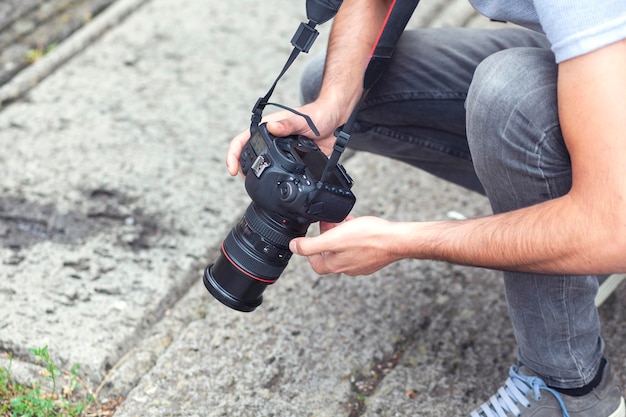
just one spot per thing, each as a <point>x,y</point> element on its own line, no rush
<point>526,395</point>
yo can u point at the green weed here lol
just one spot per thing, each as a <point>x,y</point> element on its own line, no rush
<point>32,401</point>
<point>36,54</point>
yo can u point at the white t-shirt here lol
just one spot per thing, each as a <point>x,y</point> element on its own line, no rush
<point>573,27</point>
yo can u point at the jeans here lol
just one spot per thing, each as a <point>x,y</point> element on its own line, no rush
<point>477,107</point>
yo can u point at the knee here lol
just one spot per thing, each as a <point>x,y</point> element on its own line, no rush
<point>513,128</point>
<point>508,86</point>
<point>511,105</point>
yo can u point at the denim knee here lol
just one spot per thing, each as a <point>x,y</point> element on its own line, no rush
<point>513,129</point>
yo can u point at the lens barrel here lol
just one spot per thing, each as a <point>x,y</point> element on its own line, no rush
<point>254,254</point>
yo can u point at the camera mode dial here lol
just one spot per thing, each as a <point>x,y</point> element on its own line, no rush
<point>288,191</point>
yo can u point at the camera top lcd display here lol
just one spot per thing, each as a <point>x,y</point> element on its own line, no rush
<point>258,143</point>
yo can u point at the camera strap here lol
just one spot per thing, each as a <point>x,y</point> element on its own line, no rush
<point>318,12</point>
<point>397,18</point>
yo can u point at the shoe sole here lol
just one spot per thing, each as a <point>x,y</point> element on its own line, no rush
<point>621,410</point>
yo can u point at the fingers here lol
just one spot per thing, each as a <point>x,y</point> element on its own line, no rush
<point>319,249</point>
<point>331,263</point>
<point>308,246</point>
<point>279,128</point>
<point>294,246</point>
<point>319,263</point>
<point>234,152</point>
<point>326,226</point>
<point>285,123</point>
<point>357,246</point>
<point>291,125</point>
<point>321,259</point>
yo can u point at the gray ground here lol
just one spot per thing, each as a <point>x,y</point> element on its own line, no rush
<point>31,28</point>
<point>114,197</point>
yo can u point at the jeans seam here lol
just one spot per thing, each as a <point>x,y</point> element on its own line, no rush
<point>415,95</point>
<point>421,142</point>
<point>566,286</point>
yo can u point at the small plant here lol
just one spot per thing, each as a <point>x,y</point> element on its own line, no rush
<point>36,54</point>
<point>20,400</point>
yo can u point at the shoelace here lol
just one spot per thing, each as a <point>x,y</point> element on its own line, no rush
<point>513,393</point>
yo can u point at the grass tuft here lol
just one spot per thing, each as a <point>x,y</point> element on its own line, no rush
<point>66,398</point>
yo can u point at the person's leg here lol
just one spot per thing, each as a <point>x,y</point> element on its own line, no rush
<point>521,159</point>
<point>415,112</point>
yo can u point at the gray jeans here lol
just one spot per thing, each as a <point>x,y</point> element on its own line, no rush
<point>478,108</point>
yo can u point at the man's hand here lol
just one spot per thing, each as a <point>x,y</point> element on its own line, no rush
<point>355,30</point>
<point>357,246</point>
<point>285,123</point>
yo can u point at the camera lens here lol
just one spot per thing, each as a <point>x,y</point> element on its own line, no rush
<point>254,254</point>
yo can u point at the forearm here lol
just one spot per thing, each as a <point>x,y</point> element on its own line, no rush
<point>556,237</point>
<point>581,232</point>
<point>354,32</point>
<point>570,235</point>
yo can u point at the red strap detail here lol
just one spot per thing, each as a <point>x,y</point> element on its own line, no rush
<point>393,3</point>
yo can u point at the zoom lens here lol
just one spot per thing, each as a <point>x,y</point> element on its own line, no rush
<point>254,254</point>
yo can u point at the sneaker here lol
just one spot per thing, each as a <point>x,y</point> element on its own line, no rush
<point>524,394</point>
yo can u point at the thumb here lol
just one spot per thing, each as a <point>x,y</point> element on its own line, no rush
<point>280,128</point>
<point>294,245</point>
<point>306,246</point>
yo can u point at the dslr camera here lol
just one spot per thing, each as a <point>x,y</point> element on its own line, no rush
<point>291,183</point>
<point>284,178</point>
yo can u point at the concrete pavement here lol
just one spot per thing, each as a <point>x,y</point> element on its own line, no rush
<point>114,197</point>
<point>30,28</point>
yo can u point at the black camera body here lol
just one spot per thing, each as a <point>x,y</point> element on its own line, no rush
<point>283,175</point>
<point>292,185</point>
<point>291,182</point>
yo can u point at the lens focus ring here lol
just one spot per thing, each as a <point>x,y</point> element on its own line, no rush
<point>261,227</point>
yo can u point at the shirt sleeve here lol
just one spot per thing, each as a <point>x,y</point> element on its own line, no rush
<point>575,27</point>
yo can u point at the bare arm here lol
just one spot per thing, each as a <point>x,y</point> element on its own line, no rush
<point>354,32</point>
<point>581,232</point>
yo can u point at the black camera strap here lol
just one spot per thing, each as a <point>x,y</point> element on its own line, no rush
<point>398,17</point>
<point>318,12</point>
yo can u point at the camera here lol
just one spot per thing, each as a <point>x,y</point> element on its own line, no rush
<point>291,182</point>
<point>292,185</point>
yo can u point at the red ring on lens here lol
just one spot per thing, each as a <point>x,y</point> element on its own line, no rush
<point>267,281</point>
